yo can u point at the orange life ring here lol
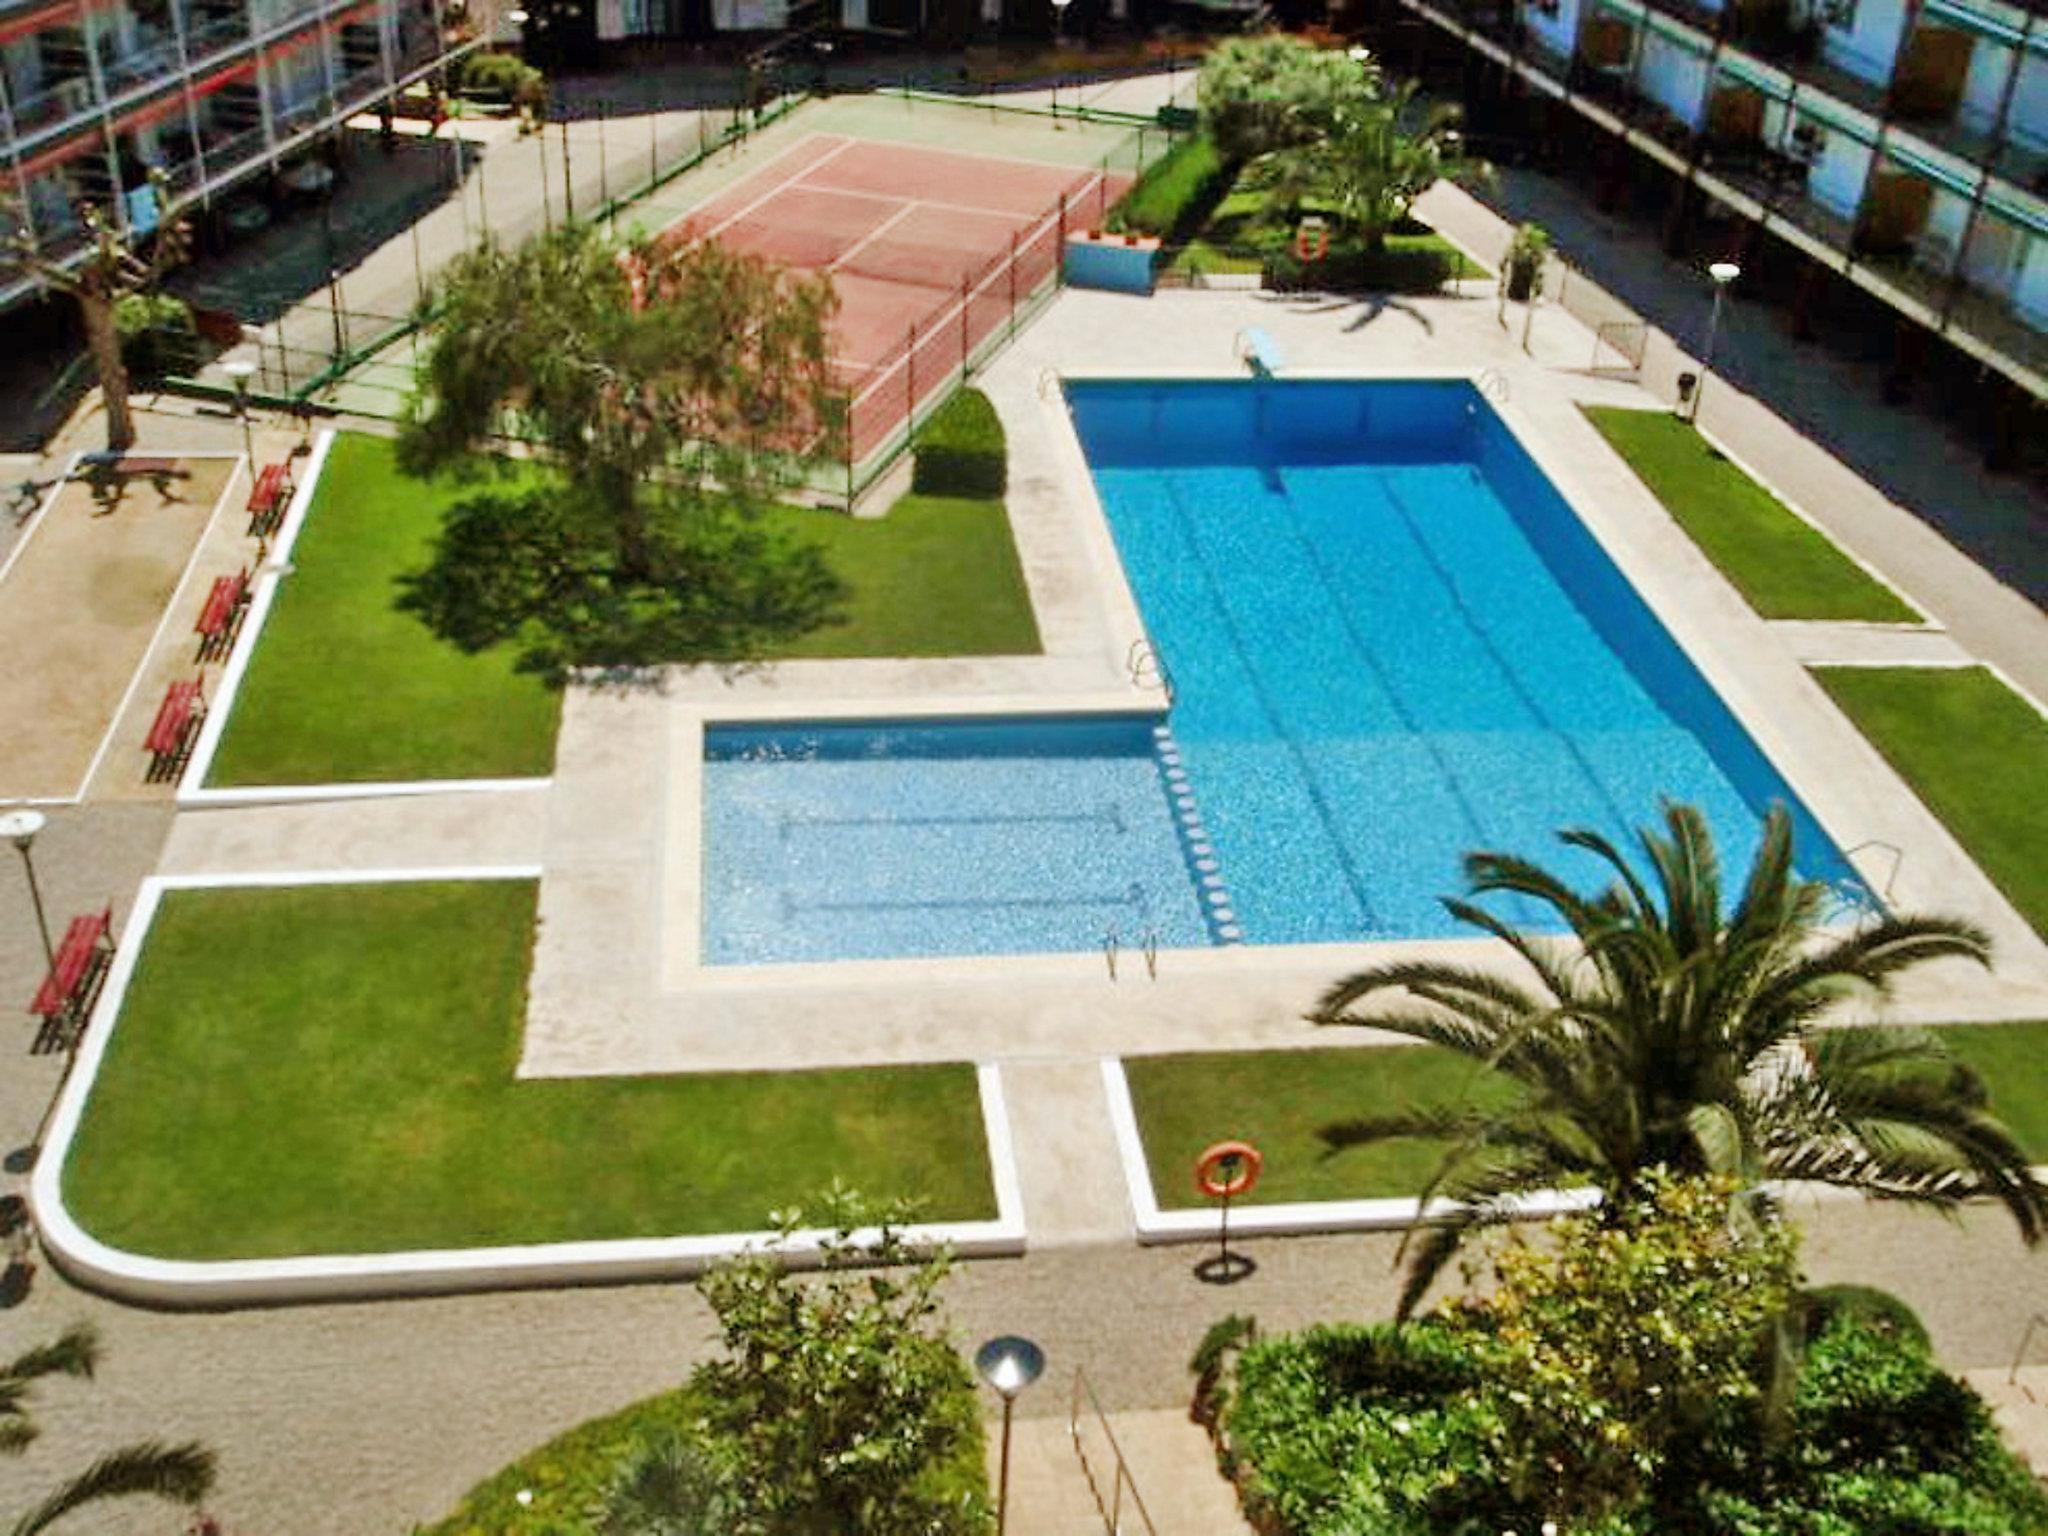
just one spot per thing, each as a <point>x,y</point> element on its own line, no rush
<point>1228,1169</point>
<point>1311,240</point>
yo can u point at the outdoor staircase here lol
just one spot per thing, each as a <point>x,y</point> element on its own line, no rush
<point>1065,1472</point>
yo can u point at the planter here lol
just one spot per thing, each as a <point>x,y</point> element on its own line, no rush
<point>1118,263</point>
<point>1521,281</point>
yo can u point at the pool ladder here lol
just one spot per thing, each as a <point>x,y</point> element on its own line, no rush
<point>1147,668</point>
<point>1112,946</point>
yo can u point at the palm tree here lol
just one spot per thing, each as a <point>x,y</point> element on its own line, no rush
<point>1668,1034</point>
<point>1378,156</point>
<point>181,1473</point>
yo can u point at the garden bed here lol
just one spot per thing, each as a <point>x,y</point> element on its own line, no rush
<point>1277,1100</point>
<point>1784,566</point>
<point>1975,751</point>
<point>348,686</point>
<point>326,1069</point>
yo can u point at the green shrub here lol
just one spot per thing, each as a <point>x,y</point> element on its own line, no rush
<point>1613,1379</point>
<point>502,77</point>
<point>1876,1309</point>
<point>1350,268</point>
<point>1269,91</point>
<point>157,334</point>
<point>1177,193</point>
<point>961,451</point>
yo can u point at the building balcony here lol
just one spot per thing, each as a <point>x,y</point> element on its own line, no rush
<point>54,105</point>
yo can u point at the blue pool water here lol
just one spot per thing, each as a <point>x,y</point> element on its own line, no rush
<point>1390,640</point>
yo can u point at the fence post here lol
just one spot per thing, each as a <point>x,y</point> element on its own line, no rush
<point>604,179</point>
<point>540,143</point>
<point>966,341</point>
<point>568,182</point>
<point>1059,250</point>
<point>1013,285</point>
<point>910,383</point>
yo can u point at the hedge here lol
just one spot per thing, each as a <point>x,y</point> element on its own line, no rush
<point>1178,191</point>
<point>1344,1429</point>
<point>961,451</point>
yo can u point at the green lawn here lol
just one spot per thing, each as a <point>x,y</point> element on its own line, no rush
<point>345,687</point>
<point>2014,1061</point>
<point>936,577</point>
<point>1782,564</point>
<point>1975,751</point>
<point>1277,1099</point>
<point>329,1069</point>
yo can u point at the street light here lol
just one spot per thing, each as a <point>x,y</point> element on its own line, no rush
<point>1059,41</point>
<point>1723,273</point>
<point>1009,1364</point>
<point>19,827</point>
<point>239,372</point>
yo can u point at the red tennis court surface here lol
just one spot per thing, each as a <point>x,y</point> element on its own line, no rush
<point>930,252</point>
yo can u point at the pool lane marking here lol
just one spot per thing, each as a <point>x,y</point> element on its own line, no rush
<point>1324,812</point>
<point>1213,901</point>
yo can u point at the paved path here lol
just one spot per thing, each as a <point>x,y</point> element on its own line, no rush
<point>1909,451</point>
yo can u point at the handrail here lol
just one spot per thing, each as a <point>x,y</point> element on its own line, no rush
<point>2038,1320</point>
<point>1142,658</point>
<point>1152,953</point>
<point>1494,385</point>
<point>1898,860</point>
<point>1112,1510</point>
<point>1110,945</point>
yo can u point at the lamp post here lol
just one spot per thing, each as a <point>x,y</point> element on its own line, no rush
<point>1009,1364</point>
<point>19,827</point>
<point>1723,273</point>
<point>239,372</point>
<point>1059,42</point>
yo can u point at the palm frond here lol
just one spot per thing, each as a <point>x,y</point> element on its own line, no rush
<point>74,1352</point>
<point>180,1473</point>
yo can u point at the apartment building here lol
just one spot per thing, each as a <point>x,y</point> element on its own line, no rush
<point>1897,145</point>
<point>95,94</point>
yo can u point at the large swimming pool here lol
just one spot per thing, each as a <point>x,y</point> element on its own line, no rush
<point>1389,641</point>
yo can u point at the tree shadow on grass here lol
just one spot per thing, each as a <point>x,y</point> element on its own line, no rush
<point>538,570</point>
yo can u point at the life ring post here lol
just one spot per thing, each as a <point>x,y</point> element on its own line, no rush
<point>1223,1172</point>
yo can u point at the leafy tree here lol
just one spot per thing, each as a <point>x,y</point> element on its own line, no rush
<point>110,273</point>
<point>677,390</point>
<point>1270,91</point>
<point>180,1473</point>
<point>845,1409</point>
<point>1672,1033</point>
<point>1377,155</point>
<point>1626,1348</point>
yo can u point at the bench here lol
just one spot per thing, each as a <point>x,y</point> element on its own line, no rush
<point>1260,352</point>
<point>65,999</point>
<point>169,741</point>
<point>222,615</point>
<point>267,500</point>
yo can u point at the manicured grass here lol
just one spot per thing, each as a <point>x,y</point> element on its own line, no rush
<point>938,576</point>
<point>1175,191</point>
<point>569,1476</point>
<point>329,1069</point>
<point>1975,751</point>
<point>1781,563</point>
<point>1276,1100</point>
<point>347,687</point>
<point>2013,1059</point>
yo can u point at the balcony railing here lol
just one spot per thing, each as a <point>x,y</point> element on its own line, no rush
<point>139,66</point>
<point>53,104</point>
<point>207,36</point>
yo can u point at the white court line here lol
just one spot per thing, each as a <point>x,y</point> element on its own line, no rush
<point>922,202</point>
<point>872,236</point>
<point>955,307</point>
<point>781,186</point>
<point>157,636</point>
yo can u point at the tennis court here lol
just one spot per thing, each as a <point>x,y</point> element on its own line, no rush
<point>930,250</point>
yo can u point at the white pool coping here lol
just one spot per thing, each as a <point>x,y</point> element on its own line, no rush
<point>327,1277</point>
